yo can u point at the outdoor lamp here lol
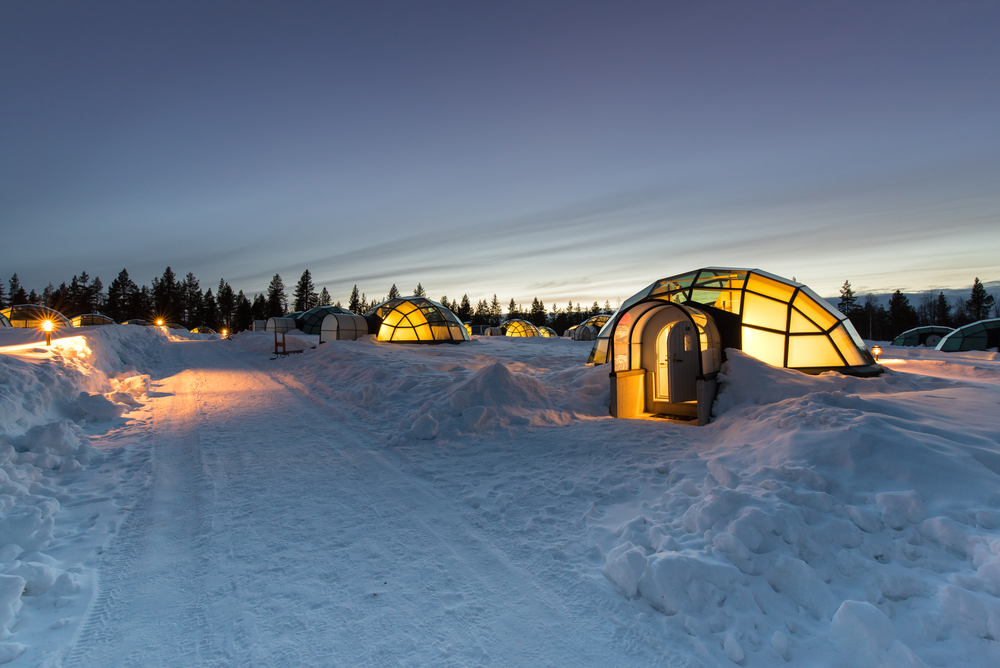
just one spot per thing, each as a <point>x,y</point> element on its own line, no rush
<point>47,328</point>
<point>159,323</point>
<point>876,351</point>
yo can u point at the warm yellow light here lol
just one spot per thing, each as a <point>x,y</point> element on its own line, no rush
<point>159,323</point>
<point>47,325</point>
<point>876,351</point>
<point>225,332</point>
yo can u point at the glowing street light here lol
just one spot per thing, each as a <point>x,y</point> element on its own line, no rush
<point>159,322</point>
<point>225,333</point>
<point>47,326</point>
<point>876,351</point>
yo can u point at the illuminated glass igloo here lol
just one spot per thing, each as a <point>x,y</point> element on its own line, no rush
<point>547,332</point>
<point>928,335</point>
<point>92,319</point>
<point>672,333</point>
<point>980,335</point>
<point>518,328</point>
<point>4,322</point>
<point>32,315</point>
<point>416,320</point>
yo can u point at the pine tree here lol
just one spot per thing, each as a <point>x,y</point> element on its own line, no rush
<point>393,293</point>
<point>420,292</point>
<point>482,314</point>
<point>325,298</point>
<point>3,300</point>
<point>942,311</point>
<point>166,296</point>
<point>210,311</point>
<point>190,305</point>
<point>304,292</point>
<point>595,309</point>
<point>496,312</point>
<point>980,303</point>
<point>242,314</point>
<point>902,316</point>
<point>538,316</point>
<point>354,302</point>
<point>607,307</point>
<point>258,308</point>
<point>848,302</point>
<point>47,294</point>
<point>512,310</point>
<point>464,312</point>
<point>226,300</point>
<point>18,295</point>
<point>276,300</point>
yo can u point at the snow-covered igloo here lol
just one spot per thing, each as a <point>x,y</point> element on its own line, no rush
<point>415,320</point>
<point>666,342</point>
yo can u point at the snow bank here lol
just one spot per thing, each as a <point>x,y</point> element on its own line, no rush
<point>47,395</point>
<point>828,516</point>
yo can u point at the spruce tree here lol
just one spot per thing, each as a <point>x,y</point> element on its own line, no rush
<point>166,296</point>
<point>258,308</point>
<point>847,299</point>
<point>242,314</point>
<point>607,307</point>
<point>393,293</point>
<point>512,310</point>
<point>226,299</point>
<point>902,316</point>
<point>980,303</point>
<point>420,292</point>
<point>304,292</point>
<point>496,311</point>
<point>942,312</point>
<point>354,303</point>
<point>210,311</point>
<point>464,312</point>
<point>3,300</point>
<point>276,300</point>
<point>324,297</point>
<point>18,295</point>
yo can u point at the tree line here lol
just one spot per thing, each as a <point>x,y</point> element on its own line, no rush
<point>880,323</point>
<point>183,301</point>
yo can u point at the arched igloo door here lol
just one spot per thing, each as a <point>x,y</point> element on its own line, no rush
<point>669,353</point>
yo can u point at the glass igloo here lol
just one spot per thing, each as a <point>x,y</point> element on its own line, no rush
<point>416,320</point>
<point>518,328</point>
<point>980,335</point>
<point>33,315</point>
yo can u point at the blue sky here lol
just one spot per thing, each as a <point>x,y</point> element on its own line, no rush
<point>572,150</point>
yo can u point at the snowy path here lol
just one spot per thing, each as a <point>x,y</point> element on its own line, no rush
<point>274,533</point>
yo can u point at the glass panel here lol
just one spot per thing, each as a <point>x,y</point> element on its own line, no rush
<point>766,346</point>
<point>825,305</point>
<point>622,328</point>
<point>406,307</point>
<point>845,344</point>
<point>424,332</point>
<point>599,353</point>
<point>807,351</point>
<point>770,287</point>
<point>764,312</point>
<point>455,331</point>
<point>673,283</point>
<point>392,319</point>
<point>814,311</point>
<point>801,324</point>
<point>721,278</point>
<point>404,334</point>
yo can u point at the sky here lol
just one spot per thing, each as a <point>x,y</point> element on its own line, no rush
<point>559,150</point>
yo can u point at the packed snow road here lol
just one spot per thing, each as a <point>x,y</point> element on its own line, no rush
<point>273,531</point>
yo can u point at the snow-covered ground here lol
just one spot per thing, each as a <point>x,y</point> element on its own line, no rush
<point>184,500</point>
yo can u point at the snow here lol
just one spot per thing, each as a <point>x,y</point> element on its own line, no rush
<point>179,499</point>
